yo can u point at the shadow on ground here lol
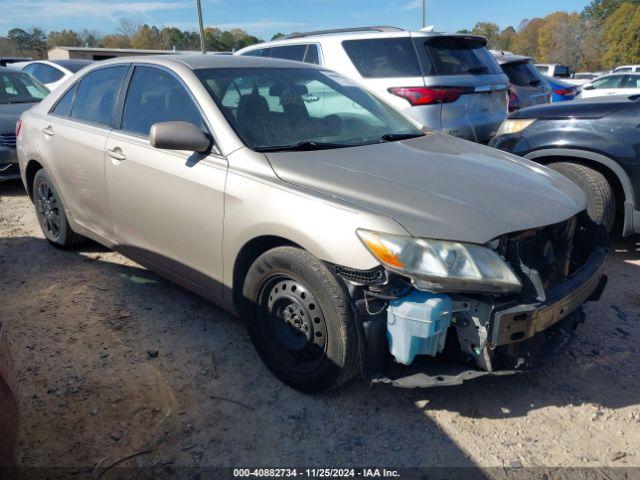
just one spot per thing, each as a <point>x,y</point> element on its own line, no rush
<point>114,360</point>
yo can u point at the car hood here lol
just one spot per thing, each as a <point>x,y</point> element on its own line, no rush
<point>9,114</point>
<point>587,108</point>
<point>438,186</point>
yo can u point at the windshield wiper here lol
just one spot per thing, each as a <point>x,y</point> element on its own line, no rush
<point>305,145</point>
<point>477,69</point>
<point>394,137</point>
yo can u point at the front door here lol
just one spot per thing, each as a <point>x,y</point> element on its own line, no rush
<point>167,206</point>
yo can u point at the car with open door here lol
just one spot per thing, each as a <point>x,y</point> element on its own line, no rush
<point>349,240</point>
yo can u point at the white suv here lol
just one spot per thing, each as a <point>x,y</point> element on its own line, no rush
<point>447,82</point>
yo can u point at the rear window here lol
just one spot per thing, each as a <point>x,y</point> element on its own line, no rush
<point>521,74</point>
<point>383,57</point>
<point>562,71</point>
<point>460,56</point>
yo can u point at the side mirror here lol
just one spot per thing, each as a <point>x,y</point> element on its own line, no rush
<point>588,86</point>
<point>178,136</point>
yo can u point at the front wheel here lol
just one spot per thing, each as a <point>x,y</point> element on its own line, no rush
<point>51,214</point>
<point>601,201</point>
<point>300,320</point>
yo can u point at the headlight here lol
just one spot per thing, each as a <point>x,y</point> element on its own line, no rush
<point>514,125</point>
<point>439,265</point>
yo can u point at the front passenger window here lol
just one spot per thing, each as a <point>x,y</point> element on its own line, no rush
<point>155,95</point>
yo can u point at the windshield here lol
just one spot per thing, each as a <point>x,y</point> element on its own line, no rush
<point>16,87</point>
<point>301,108</point>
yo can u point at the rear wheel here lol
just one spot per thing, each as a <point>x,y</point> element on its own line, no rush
<point>601,200</point>
<point>300,320</point>
<point>51,214</point>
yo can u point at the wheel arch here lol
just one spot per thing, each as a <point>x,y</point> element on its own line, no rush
<point>613,172</point>
<point>29,174</point>
<point>248,254</point>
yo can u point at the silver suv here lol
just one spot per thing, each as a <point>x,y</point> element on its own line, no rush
<point>446,82</point>
<point>348,239</point>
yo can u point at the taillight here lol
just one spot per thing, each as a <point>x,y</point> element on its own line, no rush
<point>514,101</point>
<point>18,127</point>
<point>430,96</point>
<point>565,91</point>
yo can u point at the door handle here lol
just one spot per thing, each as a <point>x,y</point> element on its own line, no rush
<point>48,131</point>
<point>116,154</point>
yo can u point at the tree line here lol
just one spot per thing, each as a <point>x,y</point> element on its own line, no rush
<point>130,34</point>
<point>604,35</point>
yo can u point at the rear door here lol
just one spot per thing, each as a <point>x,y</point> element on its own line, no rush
<point>167,205</point>
<point>464,63</point>
<point>73,141</point>
<point>631,85</point>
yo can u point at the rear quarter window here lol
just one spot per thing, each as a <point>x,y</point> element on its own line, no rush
<point>383,57</point>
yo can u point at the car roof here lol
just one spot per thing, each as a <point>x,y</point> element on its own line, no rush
<point>355,34</point>
<point>200,61</point>
<point>504,59</point>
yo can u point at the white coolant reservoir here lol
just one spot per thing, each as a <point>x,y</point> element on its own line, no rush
<point>417,325</point>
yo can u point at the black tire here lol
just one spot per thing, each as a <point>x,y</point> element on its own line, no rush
<point>51,214</point>
<point>300,320</point>
<point>601,201</point>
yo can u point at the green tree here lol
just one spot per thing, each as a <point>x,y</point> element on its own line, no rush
<point>507,36</point>
<point>65,38</point>
<point>277,36</point>
<point>622,35</point>
<point>489,30</point>
<point>602,9</point>
<point>526,42</point>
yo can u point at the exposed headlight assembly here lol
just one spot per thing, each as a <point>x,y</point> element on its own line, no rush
<point>514,125</point>
<point>438,265</point>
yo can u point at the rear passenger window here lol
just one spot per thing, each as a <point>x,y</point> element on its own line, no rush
<point>63,107</point>
<point>155,95</point>
<point>97,94</point>
<point>383,57</point>
<point>44,73</point>
<point>289,52</point>
<point>312,56</point>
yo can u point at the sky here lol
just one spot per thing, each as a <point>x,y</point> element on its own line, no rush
<point>264,18</point>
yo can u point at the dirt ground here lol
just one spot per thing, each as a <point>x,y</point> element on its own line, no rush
<point>113,361</point>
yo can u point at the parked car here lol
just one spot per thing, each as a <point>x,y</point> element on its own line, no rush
<point>6,61</point>
<point>342,233</point>
<point>626,68</point>
<point>555,70</point>
<point>446,82</point>
<point>613,84</point>
<point>561,91</point>
<point>593,142</point>
<point>526,85</point>
<point>52,73</point>
<point>18,92</point>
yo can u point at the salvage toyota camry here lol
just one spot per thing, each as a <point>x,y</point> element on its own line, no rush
<point>349,239</point>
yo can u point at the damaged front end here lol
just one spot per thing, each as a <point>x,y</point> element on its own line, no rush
<point>417,332</point>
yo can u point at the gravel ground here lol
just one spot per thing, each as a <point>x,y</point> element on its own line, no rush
<point>112,361</point>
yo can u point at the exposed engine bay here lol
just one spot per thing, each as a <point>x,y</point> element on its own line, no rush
<point>412,337</point>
